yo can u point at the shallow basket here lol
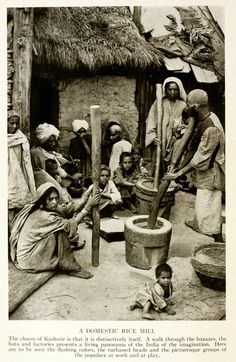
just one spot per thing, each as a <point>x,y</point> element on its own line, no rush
<point>208,262</point>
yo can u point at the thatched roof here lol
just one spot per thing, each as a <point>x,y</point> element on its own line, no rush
<point>91,39</point>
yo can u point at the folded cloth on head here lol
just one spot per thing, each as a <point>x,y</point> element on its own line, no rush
<point>12,113</point>
<point>44,131</point>
<point>78,124</point>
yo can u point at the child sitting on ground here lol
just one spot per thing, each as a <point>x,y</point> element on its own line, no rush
<point>110,196</point>
<point>51,167</point>
<point>75,188</point>
<point>137,154</point>
<point>126,177</point>
<point>156,294</point>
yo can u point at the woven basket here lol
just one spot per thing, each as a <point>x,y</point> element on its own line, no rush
<point>209,260</point>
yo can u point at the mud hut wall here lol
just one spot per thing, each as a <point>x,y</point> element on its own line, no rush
<point>115,95</point>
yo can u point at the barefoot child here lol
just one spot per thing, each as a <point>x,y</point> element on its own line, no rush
<point>110,196</point>
<point>156,294</point>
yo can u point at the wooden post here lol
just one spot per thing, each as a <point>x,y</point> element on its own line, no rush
<point>22,56</point>
<point>137,17</point>
<point>158,112</point>
<point>96,168</point>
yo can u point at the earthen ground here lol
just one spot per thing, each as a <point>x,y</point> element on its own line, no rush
<point>109,293</point>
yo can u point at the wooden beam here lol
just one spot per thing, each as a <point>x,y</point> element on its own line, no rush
<point>137,17</point>
<point>96,169</point>
<point>22,57</point>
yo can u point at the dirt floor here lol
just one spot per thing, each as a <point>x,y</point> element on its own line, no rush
<point>109,293</point>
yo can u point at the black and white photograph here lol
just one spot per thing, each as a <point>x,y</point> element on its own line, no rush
<point>117,180</point>
<point>117,177</point>
<point>116,163</point>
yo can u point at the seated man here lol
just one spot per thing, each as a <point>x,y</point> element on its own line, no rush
<point>47,135</point>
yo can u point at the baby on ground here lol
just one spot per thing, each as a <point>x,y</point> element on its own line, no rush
<point>156,294</point>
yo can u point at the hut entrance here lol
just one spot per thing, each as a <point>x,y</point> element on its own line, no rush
<point>44,104</point>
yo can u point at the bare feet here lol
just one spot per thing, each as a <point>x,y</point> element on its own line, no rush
<point>130,206</point>
<point>77,245</point>
<point>169,310</point>
<point>133,306</point>
<point>148,316</point>
<point>191,224</point>
<point>82,273</point>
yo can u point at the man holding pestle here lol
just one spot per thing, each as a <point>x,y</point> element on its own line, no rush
<point>206,161</point>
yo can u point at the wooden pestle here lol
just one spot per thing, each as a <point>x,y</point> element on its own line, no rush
<point>157,199</point>
<point>158,116</point>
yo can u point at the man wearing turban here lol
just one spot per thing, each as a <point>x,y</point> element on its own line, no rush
<point>207,161</point>
<point>80,146</point>
<point>47,136</point>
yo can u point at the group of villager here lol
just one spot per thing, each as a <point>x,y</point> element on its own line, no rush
<point>49,194</point>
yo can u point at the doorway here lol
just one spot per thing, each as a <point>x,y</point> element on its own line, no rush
<point>44,104</point>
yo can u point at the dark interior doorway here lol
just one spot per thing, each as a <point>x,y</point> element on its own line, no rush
<point>44,104</point>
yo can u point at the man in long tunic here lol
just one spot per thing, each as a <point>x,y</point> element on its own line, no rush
<point>207,161</point>
<point>21,185</point>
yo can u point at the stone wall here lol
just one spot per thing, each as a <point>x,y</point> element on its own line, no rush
<point>115,95</point>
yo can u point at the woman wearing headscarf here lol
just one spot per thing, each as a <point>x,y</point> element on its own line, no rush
<point>173,104</point>
<point>42,232</point>
<point>47,136</point>
<point>80,146</point>
<point>21,185</point>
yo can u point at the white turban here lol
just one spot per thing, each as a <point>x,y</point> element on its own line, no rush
<point>44,131</point>
<point>78,124</point>
<point>116,128</point>
<point>12,113</point>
